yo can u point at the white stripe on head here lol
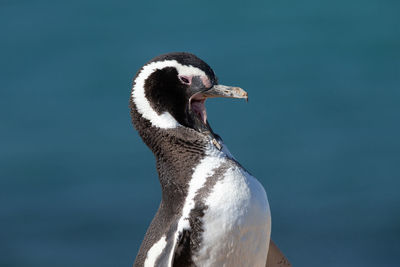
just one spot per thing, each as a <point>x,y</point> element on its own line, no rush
<point>164,120</point>
<point>154,252</point>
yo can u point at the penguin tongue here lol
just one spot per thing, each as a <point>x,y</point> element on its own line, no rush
<point>199,108</point>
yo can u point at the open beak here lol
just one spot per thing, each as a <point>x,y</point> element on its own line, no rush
<point>196,101</point>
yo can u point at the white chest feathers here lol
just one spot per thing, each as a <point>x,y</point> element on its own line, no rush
<point>237,223</point>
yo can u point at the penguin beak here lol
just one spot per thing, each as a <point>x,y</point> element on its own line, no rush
<point>225,91</point>
<point>197,101</point>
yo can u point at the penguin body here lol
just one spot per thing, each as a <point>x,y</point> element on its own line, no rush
<point>236,223</point>
<point>212,211</point>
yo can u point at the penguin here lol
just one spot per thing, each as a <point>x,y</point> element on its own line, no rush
<point>213,212</point>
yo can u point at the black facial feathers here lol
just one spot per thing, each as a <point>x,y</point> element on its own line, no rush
<point>166,93</point>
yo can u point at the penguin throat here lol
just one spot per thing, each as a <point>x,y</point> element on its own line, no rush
<point>199,113</point>
<point>197,104</point>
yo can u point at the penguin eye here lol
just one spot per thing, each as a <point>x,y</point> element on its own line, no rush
<point>185,79</point>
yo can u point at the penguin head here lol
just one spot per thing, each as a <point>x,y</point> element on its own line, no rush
<point>170,91</point>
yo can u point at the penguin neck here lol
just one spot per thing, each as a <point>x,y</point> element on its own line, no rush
<point>162,140</point>
<point>177,151</point>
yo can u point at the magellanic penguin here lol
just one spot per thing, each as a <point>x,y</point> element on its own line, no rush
<point>212,211</point>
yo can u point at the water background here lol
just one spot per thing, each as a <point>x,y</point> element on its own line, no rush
<point>321,130</point>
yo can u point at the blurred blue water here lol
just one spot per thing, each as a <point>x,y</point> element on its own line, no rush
<point>321,130</point>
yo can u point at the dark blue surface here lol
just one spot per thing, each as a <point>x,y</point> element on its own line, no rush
<point>321,130</point>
